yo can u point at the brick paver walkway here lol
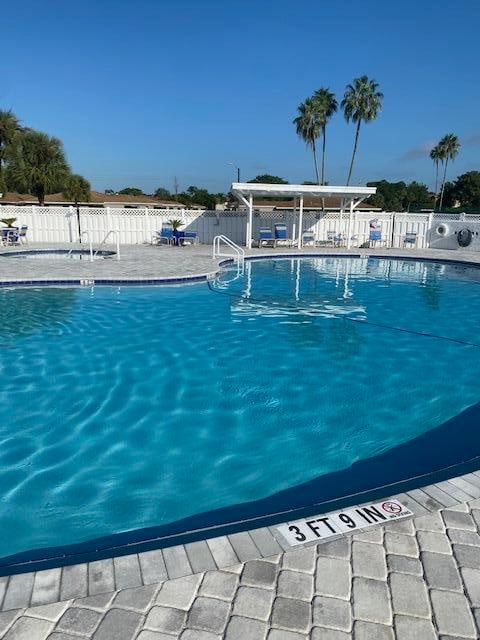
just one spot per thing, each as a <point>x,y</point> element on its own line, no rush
<point>413,580</point>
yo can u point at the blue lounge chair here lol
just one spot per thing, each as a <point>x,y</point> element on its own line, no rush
<point>375,236</point>
<point>265,238</point>
<point>164,236</point>
<point>334,238</point>
<point>188,238</point>
<point>410,239</point>
<point>281,235</point>
<point>308,238</point>
<point>10,236</point>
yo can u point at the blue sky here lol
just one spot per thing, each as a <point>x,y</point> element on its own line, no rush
<point>142,91</point>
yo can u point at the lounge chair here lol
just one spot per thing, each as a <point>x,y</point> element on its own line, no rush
<point>10,236</point>
<point>308,238</point>
<point>164,236</point>
<point>410,239</point>
<point>187,238</point>
<point>334,238</point>
<point>281,235</point>
<point>22,234</point>
<point>265,238</point>
<point>375,236</point>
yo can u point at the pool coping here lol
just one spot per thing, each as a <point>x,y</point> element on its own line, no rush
<point>48,586</point>
<point>168,562</point>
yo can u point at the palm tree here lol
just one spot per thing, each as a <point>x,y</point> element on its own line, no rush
<point>77,189</point>
<point>309,127</point>
<point>436,156</point>
<point>449,148</point>
<point>40,167</point>
<point>361,103</point>
<point>9,129</point>
<point>325,106</point>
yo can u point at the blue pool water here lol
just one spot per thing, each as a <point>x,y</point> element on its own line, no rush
<point>130,407</point>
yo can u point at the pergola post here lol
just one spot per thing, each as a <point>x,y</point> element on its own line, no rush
<point>350,220</point>
<point>248,240</point>
<point>300,223</point>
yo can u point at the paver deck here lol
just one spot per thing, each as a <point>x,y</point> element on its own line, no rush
<point>415,579</point>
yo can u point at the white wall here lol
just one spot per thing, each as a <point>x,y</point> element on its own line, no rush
<point>136,226</point>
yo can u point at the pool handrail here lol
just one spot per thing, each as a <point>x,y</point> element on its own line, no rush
<point>84,233</point>
<point>117,242</point>
<point>239,252</point>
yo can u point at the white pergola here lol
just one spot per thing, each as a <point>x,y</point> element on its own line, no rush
<point>350,198</point>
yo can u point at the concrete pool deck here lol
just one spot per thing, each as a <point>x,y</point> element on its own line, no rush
<point>415,579</point>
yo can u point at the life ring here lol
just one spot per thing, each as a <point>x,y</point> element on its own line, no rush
<point>464,237</point>
<point>442,230</point>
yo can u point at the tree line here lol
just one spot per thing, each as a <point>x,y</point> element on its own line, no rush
<point>34,162</point>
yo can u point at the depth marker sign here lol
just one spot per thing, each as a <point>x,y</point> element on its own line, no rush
<point>350,520</point>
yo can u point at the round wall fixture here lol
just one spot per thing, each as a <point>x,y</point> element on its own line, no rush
<point>464,237</point>
<point>442,230</point>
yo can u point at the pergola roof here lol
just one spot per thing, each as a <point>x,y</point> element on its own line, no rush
<point>239,189</point>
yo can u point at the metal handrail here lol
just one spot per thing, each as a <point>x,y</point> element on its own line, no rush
<point>84,233</point>
<point>117,241</point>
<point>239,253</point>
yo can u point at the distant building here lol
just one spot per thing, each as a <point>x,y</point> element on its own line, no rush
<point>98,199</point>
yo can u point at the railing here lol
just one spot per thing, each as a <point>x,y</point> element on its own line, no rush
<point>238,253</point>
<point>107,235</point>
<point>87,235</point>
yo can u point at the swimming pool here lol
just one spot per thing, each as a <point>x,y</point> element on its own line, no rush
<point>143,412</point>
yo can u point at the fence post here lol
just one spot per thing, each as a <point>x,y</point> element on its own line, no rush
<point>146,225</point>
<point>34,222</point>
<point>70,216</point>
<point>462,216</point>
<point>428,231</point>
<point>108,221</point>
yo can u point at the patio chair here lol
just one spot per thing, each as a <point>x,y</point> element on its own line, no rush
<point>265,238</point>
<point>375,236</point>
<point>334,238</point>
<point>281,235</point>
<point>164,236</point>
<point>22,234</point>
<point>10,236</point>
<point>410,239</point>
<point>308,238</point>
<point>188,238</point>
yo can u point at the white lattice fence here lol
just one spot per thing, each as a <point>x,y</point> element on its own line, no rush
<point>136,226</point>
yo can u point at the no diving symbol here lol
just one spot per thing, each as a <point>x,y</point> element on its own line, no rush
<point>391,507</point>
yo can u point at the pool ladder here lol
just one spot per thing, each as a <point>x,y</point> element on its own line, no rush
<point>237,253</point>
<point>93,254</point>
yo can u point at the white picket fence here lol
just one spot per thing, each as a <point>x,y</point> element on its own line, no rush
<point>137,226</point>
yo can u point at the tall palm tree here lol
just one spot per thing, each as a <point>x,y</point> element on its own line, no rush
<point>309,127</point>
<point>436,156</point>
<point>449,148</point>
<point>40,167</point>
<point>9,130</point>
<point>361,103</point>
<point>325,106</point>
